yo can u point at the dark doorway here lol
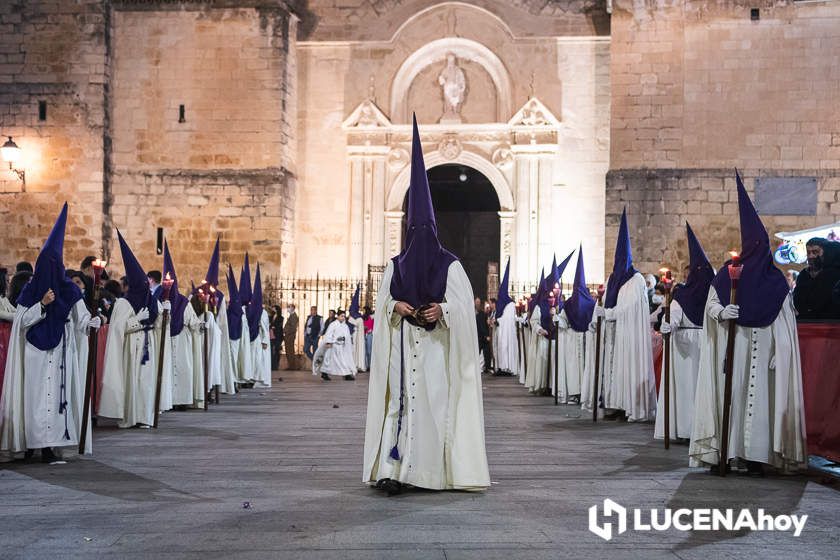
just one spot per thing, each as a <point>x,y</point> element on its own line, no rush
<point>467,214</point>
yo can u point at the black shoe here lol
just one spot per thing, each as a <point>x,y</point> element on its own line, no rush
<point>755,469</point>
<point>715,469</point>
<point>390,486</point>
<point>325,377</point>
<point>47,455</point>
<point>349,377</point>
<point>28,454</point>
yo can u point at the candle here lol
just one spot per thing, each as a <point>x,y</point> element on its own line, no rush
<point>167,284</point>
<point>735,267</point>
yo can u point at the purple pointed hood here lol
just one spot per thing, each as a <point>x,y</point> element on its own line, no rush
<point>245,283</point>
<point>580,305</point>
<point>545,305</point>
<point>762,288</point>
<point>353,310</point>
<point>138,294</point>
<point>178,300</point>
<point>503,297</point>
<point>693,293</point>
<point>234,309</point>
<point>622,265</point>
<point>212,276</point>
<point>255,307</point>
<point>50,274</point>
<point>421,269</point>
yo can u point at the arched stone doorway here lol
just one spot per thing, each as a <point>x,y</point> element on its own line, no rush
<point>467,214</point>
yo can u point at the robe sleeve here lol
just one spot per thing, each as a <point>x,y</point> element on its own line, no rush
<point>676,313</point>
<point>32,316</point>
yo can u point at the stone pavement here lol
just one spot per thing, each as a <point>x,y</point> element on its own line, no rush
<point>276,474</point>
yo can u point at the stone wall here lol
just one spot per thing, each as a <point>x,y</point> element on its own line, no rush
<point>227,168</point>
<point>55,52</point>
<point>113,74</point>
<point>700,89</point>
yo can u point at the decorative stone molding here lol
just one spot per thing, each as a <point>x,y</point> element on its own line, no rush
<point>502,157</point>
<point>450,147</point>
<point>534,114</point>
<point>366,116</point>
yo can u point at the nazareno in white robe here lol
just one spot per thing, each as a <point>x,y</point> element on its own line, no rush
<point>261,356</point>
<point>525,350</point>
<point>338,358</point>
<point>507,345</point>
<point>30,407</point>
<point>227,370</point>
<point>358,342</point>
<point>128,385</point>
<point>214,351</point>
<point>767,417</point>
<point>441,442</point>
<point>244,363</point>
<point>629,383</point>
<point>187,361</point>
<point>536,378</point>
<point>686,340</point>
<point>587,382</point>
<point>571,353</point>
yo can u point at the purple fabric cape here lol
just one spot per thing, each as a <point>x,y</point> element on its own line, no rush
<point>762,288</point>
<point>622,264</point>
<point>693,293</point>
<point>421,269</point>
<point>255,308</point>
<point>178,300</point>
<point>138,293</point>
<point>234,309</point>
<point>581,304</point>
<point>50,274</point>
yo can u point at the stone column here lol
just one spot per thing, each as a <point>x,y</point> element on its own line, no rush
<point>393,234</point>
<point>507,239</point>
<point>366,196</point>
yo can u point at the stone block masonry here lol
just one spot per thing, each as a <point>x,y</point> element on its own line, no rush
<point>113,75</point>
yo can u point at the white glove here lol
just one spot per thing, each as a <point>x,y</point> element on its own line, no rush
<point>729,312</point>
<point>542,332</point>
<point>562,322</point>
<point>665,328</point>
<point>142,315</point>
<point>167,305</point>
<point>95,323</point>
<point>593,326</point>
<point>599,312</point>
<point>773,362</point>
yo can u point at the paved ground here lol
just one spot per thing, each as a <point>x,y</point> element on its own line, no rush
<point>180,491</point>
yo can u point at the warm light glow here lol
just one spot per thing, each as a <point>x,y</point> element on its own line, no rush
<point>212,289</point>
<point>733,254</point>
<point>10,151</point>
<point>99,263</point>
<point>664,270</point>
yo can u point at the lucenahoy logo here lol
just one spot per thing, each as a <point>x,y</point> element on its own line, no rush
<point>684,519</point>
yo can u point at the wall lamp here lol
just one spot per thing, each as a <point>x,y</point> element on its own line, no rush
<point>11,153</point>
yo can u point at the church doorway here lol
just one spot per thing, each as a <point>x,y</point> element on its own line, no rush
<point>467,214</point>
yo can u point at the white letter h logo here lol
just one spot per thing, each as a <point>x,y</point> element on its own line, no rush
<point>610,508</point>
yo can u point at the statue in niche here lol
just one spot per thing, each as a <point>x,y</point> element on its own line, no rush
<point>454,84</point>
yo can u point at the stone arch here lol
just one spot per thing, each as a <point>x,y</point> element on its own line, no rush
<point>502,24</point>
<point>436,51</point>
<point>399,186</point>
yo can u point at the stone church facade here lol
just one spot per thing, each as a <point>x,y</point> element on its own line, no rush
<point>284,126</point>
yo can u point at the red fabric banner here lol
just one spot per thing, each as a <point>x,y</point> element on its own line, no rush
<point>819,349</point>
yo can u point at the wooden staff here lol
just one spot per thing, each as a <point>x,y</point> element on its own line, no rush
<point>163,341</point>
<point>734,275</point>
<point>666,360</point>
<point>90,375</point>
<point>207,392</point>
<point>597,369</point>
<point>518,341</point>
<point>164,326</point>
<point>556,373</point>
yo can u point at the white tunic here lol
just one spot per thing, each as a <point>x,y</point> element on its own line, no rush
<point>507,345</point>
<point>441,439</point>
<point>338,358</point>
<point>628,378</point>
<point>358,342</point>
<point>227,358</point>
<point>187,361</point>
<point>536,378</point>
<point>686,339</point>
<point>261,353</point>
<point>767,418</point>
<point>587,382</point>
<point>244,367</point>
<point>30,409</point>
<point>571,352</point>
<point>128,384</point>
